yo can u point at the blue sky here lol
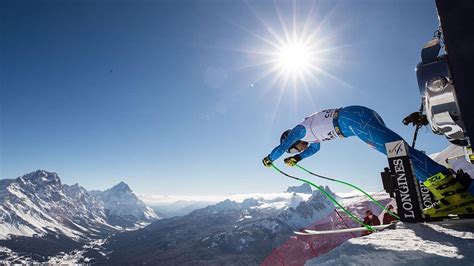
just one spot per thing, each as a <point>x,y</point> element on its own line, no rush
<point>167,95</point>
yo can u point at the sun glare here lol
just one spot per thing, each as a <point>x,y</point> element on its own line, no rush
<point>294,58</point>
<point>295,50</point>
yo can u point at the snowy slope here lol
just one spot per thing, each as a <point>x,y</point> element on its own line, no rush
<point>409,244</point>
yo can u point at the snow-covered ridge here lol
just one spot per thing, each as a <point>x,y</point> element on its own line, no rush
<point>173,205</point>
<point>37,204</point>
<point>153,199</point>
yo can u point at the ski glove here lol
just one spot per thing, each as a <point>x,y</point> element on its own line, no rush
<point>293,160</point>
<point>267,162</point>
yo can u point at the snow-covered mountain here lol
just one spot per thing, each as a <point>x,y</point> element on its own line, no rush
<point>303,215</point>
<point>228,232</point>
<point>122,206</point>
<point>38,207</point>
<point>176,205</point>
<point>37,204</point>
<point>304,188</point>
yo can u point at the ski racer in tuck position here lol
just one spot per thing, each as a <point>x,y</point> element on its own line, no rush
<point>453,192</point>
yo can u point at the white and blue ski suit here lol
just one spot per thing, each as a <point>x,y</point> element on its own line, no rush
<point>350,121</point>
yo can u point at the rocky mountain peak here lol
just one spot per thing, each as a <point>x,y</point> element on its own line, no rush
<point>67,210</point>
<point>304,188</point>
<point>42,177</point>
<point>121,187</point>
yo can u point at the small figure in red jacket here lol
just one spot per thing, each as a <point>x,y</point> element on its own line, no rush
<point>387,217</point>
<point>370,219</point>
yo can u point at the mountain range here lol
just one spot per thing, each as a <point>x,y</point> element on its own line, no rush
<point>40,216</point>
<point>227,233</point>
<point>43,220</point>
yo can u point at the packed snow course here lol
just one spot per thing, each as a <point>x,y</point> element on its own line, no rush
<point>409,244</point>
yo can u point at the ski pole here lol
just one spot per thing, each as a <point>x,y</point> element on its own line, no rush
<point>327,195</point>
<point>415,135</point>
<point>419,124</point>
<point>351,185</point>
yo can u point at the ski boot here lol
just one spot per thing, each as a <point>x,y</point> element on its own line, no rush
<point>451,194</point>
<point>457,204</point>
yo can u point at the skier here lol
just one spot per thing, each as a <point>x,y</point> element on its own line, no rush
<point>370,219</point>
<point>367,125</point>
<point>387,217</point>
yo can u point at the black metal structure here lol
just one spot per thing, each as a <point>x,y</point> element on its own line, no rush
<point>457,25</point>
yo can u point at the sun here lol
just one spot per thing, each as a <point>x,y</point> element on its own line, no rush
<point>294,58</point>
<point>295,49</point>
